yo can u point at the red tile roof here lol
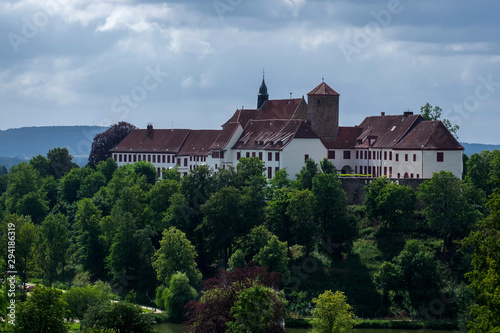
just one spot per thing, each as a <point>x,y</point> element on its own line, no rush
<point>346,138</point>
<point>198,142</point>
<point>160,141</point>
<point>272,109</point>
<point>323,89</point>
<point>385,131</point>
<point>429,135</point>
<point>224,136</point>
<point>272,134</point>
<point>278,109</point>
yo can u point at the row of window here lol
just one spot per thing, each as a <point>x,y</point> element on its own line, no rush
<point>260,155</point>
<point>377,172</point>
<point>367,155</point>
<point>156,158</point>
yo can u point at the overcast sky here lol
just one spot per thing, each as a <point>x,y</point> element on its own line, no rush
<point>193,63</point>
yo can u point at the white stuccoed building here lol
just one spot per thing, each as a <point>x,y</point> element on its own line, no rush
<point>285,133</point>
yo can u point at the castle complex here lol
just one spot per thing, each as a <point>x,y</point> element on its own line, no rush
<point>284,133</point>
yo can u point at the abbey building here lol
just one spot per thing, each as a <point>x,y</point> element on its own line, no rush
<point>284,133</point>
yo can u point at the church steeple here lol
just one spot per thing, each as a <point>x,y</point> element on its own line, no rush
<point>263,95</point>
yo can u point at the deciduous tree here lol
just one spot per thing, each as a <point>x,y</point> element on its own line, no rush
<point>55,235</point>
<point>446,207</point>
<point>332,313</point>
<point>121,317</point>
<point>429,113</point>
<point>44,311</point>
<point>108,139</point>
<point>176,254</point>
<point>485,274</point>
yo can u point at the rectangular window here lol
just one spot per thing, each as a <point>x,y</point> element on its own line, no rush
<point>411,175</point>
<point>247,154</point>
<point>414,157</point>
<point>399,175</point>
<point>306,157</point>
<point>440,157</point>
<point>390,156</point>
<point>369,170</point>
<point>168,158</point>
<point>149,158</point>
<point>397,158</point>
<point>119,157</point>
<point>253,154</point>
<point>238,155</point>
<point>357,154</point>
<point>385,155</point>
<point>163,159</point>
<point>276,156</point>
<point>356,169</point>
<point>221,154</point>
<point>260,155</point>
<point>179,162</point>
<point>369,155</point>
<point>191,158</point>
<point>406,157</point>
<point>135,158</point>
<point>144,157</point>
<point>139,157</point>
<point>390,171</point>
<point>366,170</point>
<point>418,176</point>
<point>366,155</point>
<point>385,171</point>
<point>269,172</point>
<point>331,154</point>
<point>347,154</point>
<point>154,158</point>
<point>130,158</point>
<point>269,156</point>
<point>185,162</point>
<point>216,167</point>
<point>215,154</point>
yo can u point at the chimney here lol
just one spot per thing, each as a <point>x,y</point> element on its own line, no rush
<point>382,113</point>
<point>407,113</point>
<point>150,129</point>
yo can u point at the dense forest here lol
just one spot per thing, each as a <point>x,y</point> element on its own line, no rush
<point>215,248</point>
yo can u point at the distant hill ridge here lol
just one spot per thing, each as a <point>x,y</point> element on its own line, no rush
<point>26,142</point>
<point>23,143</point>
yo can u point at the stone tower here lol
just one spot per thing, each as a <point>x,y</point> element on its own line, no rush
<point>263,95</point>
<point>323,111</point>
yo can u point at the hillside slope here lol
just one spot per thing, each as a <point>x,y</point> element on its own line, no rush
<point>26,142</point>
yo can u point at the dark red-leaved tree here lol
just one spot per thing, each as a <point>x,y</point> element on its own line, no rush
<point>108,139</point>
<point>221,292</point>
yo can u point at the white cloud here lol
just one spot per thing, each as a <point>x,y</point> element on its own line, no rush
<point>294,5</point>
<point>468,47</point>
<point>136,18</point>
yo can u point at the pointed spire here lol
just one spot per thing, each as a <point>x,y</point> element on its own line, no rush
<point>263,95</point>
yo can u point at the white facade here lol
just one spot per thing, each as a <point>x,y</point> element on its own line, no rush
<point>398,163</point>
<point>298,151</point>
